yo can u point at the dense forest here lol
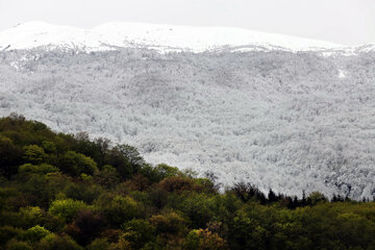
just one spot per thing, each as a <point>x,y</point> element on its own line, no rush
<point>63,191</point>
<point>281,120</point>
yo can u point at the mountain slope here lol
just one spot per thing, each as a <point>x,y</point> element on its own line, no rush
<point>279,119</point>
<point>34,34</point>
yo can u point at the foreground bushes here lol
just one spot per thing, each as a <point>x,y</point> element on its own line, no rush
<point>61,191</point>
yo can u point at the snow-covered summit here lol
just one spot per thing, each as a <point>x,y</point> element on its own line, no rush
<point>103,37</point>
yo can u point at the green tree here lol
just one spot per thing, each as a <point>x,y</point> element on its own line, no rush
<point>57,242</point>
<point>30,216</point>
<point>204,240</point>
<point>49,146</point>
<point>107,176</point>
<point>118,209</point>
<point>43,168</point>
<point>76,164</point>
<point>34,234</point>
<point>170,222</point>
<point>34,154</point>
<point>199,208</point>
<point>161,171</point>
<point>138,232</point>
<point>316,197</point>
<point>66,209</point>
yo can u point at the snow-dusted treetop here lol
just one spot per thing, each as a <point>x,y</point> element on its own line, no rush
<point>35,34</point>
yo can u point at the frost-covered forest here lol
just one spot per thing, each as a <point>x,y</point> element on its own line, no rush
<point>281,120</point>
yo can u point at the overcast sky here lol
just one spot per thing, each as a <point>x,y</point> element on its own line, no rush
<point>340,21</point>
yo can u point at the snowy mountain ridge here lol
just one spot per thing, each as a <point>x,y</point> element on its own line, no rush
<point>165,37</point>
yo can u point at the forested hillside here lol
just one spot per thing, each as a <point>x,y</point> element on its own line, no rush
<point>63,191</point>
<point>281,120</point>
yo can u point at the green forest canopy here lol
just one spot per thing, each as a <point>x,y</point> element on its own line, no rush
<point>61,191</point>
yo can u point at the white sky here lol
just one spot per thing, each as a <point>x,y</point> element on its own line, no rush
<point>341,21</point>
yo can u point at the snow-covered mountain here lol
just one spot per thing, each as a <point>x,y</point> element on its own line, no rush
<point>104,37</point>
<point>280,112</point>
